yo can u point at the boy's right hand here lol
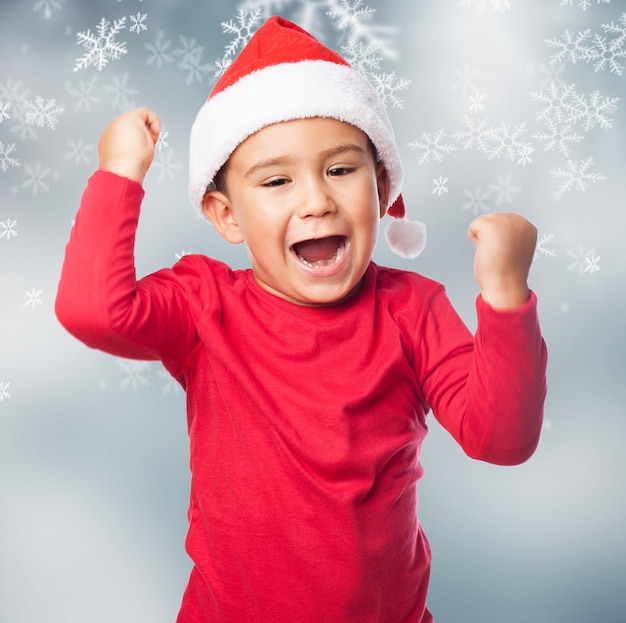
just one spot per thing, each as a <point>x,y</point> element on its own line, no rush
<point>126,146</point>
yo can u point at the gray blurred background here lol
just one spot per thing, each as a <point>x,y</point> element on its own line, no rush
<point>511,105</point>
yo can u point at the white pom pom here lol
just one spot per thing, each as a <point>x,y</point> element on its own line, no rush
<point>406,238</point>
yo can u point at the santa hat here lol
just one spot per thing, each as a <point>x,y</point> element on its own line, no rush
<point>284,73</point>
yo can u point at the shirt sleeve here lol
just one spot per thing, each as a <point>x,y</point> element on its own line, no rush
<point>99,299</point>
<point>489,391</point>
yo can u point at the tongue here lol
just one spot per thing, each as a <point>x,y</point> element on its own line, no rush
<point>318,249</point>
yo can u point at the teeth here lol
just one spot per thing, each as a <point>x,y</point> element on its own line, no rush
<point>326,261</point>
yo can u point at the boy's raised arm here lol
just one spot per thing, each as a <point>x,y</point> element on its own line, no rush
<point>99,299</point>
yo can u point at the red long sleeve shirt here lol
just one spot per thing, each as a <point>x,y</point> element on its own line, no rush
<point>305,424</point>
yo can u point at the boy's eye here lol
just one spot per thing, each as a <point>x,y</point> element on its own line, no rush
<point>340,171</point>
<point>278,181</point>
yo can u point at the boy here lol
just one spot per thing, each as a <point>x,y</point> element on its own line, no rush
<point>309,376</point>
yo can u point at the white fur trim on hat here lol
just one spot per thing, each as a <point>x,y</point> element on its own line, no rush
<point>283,92</point>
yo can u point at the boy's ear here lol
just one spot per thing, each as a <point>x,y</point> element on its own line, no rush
<point>219,210</point>
<point>382,182</point>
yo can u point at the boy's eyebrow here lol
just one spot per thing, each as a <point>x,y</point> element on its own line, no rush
<point>281,160</point>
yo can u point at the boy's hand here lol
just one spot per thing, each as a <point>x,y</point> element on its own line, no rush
<point>126,146</point>
<point>505,247</point>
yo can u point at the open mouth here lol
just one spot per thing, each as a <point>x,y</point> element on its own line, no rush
<point>320,252</point>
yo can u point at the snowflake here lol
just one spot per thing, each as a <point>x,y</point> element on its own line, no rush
<point>47,6</point>
<point>7,229</point>
<point>594,111</point>
<point>101,47</point>
<point>170,386</point>
<point>583,4</point>
<point>181,254</point>
<point>439,185</point>
<point>464,80</point>
<point>191,60</point>
<point>476,102</point>
<point>78,152</point>
<point>570,47</point>
<point>85,99</point>
<point>160,51</point>
<point>42,112</point>
<point>553,73</point>
<point>123,94</point>
<point>138,22</point>
<point>576,175</point>
<point>617,29</point>
<point>242,30</point>
<point>606,54</point>
<point>134,371</point>
<point>387,85</point>
<point>505,142</point>
<point>504,188</point>
<point>476,201</point>
<point>162,140</point>
<point>349,14</point>
<point>591,264</point>
<point>559,103</point>
<point>579,259</point>
<point>558,136</point>
<point>541,250</point>
<point>476,135</point>
<point>4,391</point>
<point>165,166</point>
<point>481,5</point>
<point>363,57</point>
<point>33,298</point>
<point>4,106</point>
<point>431,146</point>
<point>5,157</point>
<point>36,178</point>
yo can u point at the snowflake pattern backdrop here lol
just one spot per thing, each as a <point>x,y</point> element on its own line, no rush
<point>497,106</point>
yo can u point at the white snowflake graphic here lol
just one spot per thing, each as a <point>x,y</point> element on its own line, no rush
<point>363,57</point>
<point>505,142</point>
<point>349,13</point>
<point>83,94</point>
<point>431,146</point>
<point>591,264</point>
<point>135,373</point>
<point>464,81</point>
<point>191,61</point>
<point>475,136</point>
<point>6,160</point>
<point>122,93</point>
<point>162,140</point>
<point>43,113</point>
<point>439,185</point>
<point>37,178</point>
<point>576,175</point>
<point>170,385</point>
<point>4,107</point>
<point>139,22</point>
<point>387,85</point>
<point>583,4</point>
<point>594,111</point>
<point>476,201</point>
<point>504,189</point>
<point>4,391</point>
<point>181,254</point>
<point>45,7</point>
<point>558,137</point>
<point>571,47</point>
<point>33,298</point>
<point>160,51</point>
<point>541,250</point>
<point>477,102</point>
<point>559,103</point>
<point>79,151</point>
<point>242,30</point>
<point>7,229</point>
<point>102,46</point>
<point>165,166</point>
<point>579,259</point>
<point>607,54</point>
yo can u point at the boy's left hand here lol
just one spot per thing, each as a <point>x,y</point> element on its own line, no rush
<point>505,247</point>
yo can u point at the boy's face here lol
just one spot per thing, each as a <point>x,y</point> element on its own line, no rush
<point>306,197</point>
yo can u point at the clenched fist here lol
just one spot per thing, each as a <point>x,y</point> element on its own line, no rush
<point>126,145</point>
<point>505,247</point>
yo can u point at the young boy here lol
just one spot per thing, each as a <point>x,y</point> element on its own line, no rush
<point>309,376</point>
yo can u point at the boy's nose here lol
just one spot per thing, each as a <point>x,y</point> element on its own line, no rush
<point>316,200</point>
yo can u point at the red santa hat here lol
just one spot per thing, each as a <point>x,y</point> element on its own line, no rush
<point>284,73</point>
